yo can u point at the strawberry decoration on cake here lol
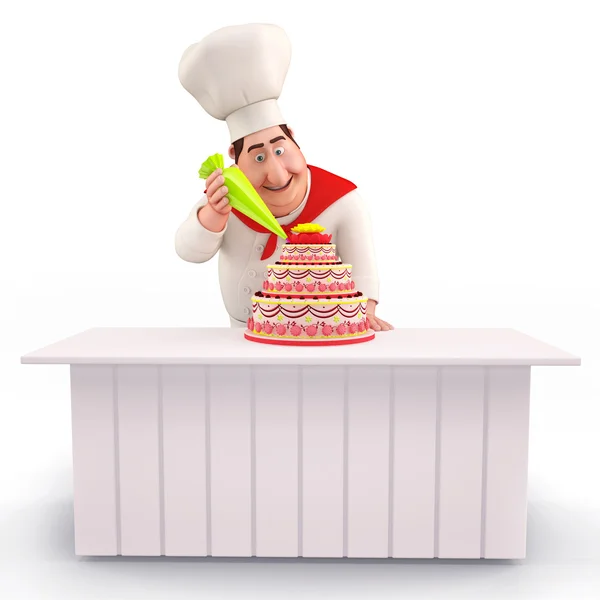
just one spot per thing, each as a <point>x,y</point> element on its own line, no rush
<point>308,233</point>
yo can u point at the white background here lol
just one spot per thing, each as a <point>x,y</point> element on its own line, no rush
<point>472,130</point>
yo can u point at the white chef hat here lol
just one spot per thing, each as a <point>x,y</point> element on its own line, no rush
<point>236,74</point>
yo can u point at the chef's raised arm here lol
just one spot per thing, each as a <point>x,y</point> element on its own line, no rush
<point>354,241</point>
<point>193,242</point>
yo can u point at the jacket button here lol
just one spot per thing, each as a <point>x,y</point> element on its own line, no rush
<point>252,273</point>
<point>247,290</point>
<point>266,274</point>
<point>246,311</point>
<point>260,248</point>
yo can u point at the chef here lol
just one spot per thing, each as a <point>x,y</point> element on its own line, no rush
<point>236,74</point>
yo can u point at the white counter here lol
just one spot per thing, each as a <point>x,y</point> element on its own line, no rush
<point>196,442</point>
<point>226,346</point>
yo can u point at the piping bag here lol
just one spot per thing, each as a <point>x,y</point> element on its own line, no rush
<point>242,195</point>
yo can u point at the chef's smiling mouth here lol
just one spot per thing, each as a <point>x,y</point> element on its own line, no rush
<point>280,188</point>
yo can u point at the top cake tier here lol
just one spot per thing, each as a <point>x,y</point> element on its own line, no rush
<point>308,244</point>
<point>306,254</point>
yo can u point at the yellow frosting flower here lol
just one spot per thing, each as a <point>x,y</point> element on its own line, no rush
<point>308,228</point>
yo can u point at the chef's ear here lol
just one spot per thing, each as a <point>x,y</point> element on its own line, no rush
<point>231,152</point>
<point>290,133</point>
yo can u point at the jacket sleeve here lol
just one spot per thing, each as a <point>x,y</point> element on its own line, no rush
<point>354,244</point>
<point>193,242</point>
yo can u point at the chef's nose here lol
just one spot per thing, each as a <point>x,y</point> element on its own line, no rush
<point>278,174</point>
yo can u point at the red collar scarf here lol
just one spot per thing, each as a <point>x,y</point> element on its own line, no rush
<point>325,189</point>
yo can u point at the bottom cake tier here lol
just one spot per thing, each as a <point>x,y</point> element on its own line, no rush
<point>309,321</point>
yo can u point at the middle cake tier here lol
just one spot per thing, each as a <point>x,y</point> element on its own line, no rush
<point>313,280</point>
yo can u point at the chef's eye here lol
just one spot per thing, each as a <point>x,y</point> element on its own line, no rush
<point>260,157</point>
<point>279,151</point>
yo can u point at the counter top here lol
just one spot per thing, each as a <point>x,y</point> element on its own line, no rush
<point>222,346</point>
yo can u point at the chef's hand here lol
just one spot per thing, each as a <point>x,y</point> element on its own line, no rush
<point>216,192</point>
<point>377,324</point>
<point>215,213</point>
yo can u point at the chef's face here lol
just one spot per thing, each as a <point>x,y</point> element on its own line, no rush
<point>276,168</point>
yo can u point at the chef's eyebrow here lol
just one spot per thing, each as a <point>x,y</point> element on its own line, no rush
<point>275,139</point>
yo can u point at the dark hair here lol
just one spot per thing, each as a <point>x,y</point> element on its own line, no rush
<point>238,145</point>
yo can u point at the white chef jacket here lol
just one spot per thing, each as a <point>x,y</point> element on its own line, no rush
<point>241,270</point>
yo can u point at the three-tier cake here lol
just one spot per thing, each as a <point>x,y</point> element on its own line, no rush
<point>308,297</point>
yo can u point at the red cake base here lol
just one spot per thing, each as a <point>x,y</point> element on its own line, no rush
<point>263,339</point>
